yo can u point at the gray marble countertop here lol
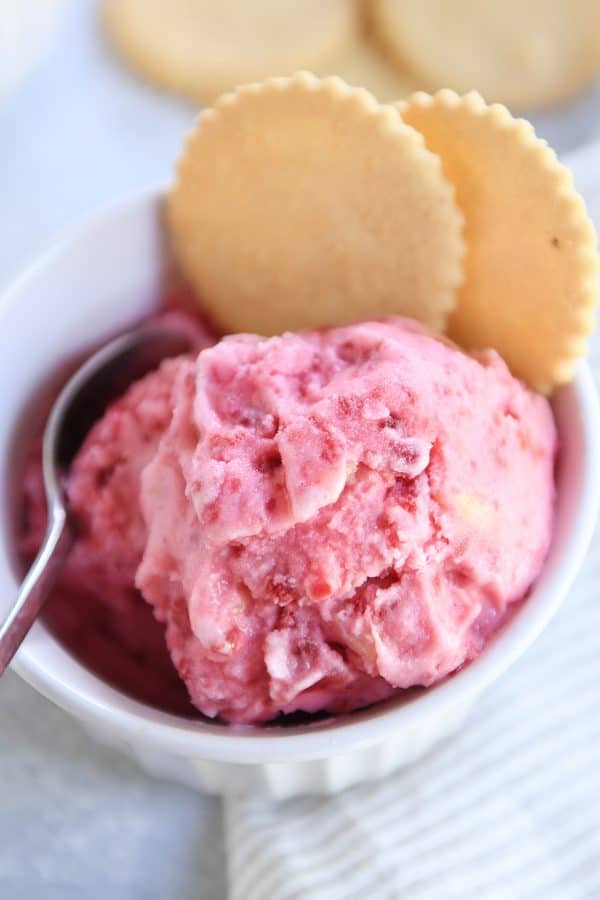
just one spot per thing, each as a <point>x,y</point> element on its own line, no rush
<point>81,821</point>
<point>77,820</point>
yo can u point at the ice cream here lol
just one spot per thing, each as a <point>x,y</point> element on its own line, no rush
<point>333,516</point>
<point>319,519</point>
<point>96,609</point>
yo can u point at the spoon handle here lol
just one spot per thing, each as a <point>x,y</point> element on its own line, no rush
<point>36,585</point>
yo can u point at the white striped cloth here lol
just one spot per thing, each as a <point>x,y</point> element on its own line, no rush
<point>508,810</point>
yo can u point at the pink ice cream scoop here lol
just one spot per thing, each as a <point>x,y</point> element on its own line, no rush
<point>95,608</point>
<point>319,519</point>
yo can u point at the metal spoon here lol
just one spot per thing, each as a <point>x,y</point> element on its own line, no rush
<point>84,398</point>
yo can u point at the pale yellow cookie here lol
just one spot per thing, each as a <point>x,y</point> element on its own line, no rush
<point>531,268</point>
<point>361,65</point>
<point>301,202</point>
<point>204,47</point>
<point>526,53</point>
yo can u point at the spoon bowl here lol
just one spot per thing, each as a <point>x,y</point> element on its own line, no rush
<point>101,379</point>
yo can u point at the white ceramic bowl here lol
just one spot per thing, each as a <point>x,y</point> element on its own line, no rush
<point>108,272</point>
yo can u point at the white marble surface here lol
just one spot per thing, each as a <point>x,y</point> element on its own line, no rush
<point>77,820</point>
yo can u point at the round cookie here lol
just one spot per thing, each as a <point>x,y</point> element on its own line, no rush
<point>531,267</point>
<point>301,203</point>
<point>362,65</point>
<point>530,54</point>
<point>201,48</point>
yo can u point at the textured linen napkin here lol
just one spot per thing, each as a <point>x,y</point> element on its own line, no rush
<point>507,810</point>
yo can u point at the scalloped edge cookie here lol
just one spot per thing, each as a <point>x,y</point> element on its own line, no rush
<point>531,268</point>
<point>300,202</point>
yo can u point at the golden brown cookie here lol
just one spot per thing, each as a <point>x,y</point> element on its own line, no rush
<point>201,47</point>
<point>361,65</point>
<point>531,267</point>
<point>526,54</point>
<point>301,202</point>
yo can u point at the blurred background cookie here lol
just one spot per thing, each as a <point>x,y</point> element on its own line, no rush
<point>202,48</point>
<point>526,54</point>
<point>361,65</point>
